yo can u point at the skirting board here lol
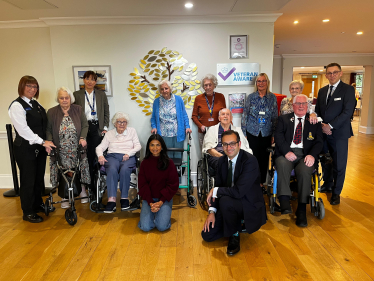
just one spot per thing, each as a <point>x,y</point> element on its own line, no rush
<point>6,180</point>
<point>366,130</point>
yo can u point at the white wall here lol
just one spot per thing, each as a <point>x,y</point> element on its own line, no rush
<point>50,53</point>
<point>277,75</point>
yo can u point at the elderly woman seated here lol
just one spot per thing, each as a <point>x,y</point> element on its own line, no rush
<point>122,144</point>
<point>212,144</point>
<point>67,128</point>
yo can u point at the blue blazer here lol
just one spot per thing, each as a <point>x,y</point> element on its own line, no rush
<point>182,118</point>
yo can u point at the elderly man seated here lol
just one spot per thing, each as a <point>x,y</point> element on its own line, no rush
<point>212,144</point>
<point>297,145</point>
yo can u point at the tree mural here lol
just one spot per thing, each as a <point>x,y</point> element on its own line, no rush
<point>160,65</point>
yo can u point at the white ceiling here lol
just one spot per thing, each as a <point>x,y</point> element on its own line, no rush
<point>310,36</point>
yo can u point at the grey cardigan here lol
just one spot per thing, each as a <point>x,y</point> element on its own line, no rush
<point>55,115</point>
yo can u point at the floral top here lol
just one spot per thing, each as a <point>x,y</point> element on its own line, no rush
<point>168,117</point>
<point>286,106</point>
<point>260,115</point>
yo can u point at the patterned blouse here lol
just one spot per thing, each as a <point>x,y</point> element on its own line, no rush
<point>286,106</point>
<point>260,115</point>
<point>168,117</point>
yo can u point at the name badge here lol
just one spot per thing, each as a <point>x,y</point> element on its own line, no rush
<point>28,108</point>
<point>337,99</point>
<point>262,113</point>
<point>211,119</point>
<point>93,113</point>
<point>261,121</point>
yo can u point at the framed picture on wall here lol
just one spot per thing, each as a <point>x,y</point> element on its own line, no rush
<point>104,77</point>
<point>238,46</point>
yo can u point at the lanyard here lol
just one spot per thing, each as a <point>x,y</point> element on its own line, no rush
<point>210,107</point>
<point>93,106</point>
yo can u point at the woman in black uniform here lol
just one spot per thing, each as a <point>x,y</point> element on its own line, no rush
<point>30,121</point>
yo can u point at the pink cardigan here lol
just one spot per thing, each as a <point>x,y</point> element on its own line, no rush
<point>126,143</point>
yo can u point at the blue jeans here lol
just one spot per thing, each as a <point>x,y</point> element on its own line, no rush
<point>172,142</point>
<point>161,219</point>
<point>116,169</point>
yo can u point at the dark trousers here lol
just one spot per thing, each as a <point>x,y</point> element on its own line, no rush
<point>32,168</point>
<point>212,164</point>
<point>259,147</point>
<point>93,140</point>
<point>303,176</point>
<point>228,219</point>
<point>327,169</point>
<point>339,152</point>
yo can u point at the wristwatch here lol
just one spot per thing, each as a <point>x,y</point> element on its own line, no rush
<point>211,212</point>
<point>43,142</point>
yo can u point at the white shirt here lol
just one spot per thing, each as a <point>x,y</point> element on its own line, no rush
<point>296,122</point>
<point>333,89</point>
<point>18,116</point>
<point>233,160</point>
<point>88,110</point>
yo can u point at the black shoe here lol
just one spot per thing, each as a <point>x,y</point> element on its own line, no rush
<point>244,229</point>
<point>335,199</point>
<point>326,189</point>
<point>234,245</point>
<point>301,220</point>
<point>34,218</point>
<point>110,207</point>
<point>125,204</point>
<point>285,207</point>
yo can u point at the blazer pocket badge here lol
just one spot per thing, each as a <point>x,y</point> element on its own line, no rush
<point>310,137</point>
<point>337,99</point>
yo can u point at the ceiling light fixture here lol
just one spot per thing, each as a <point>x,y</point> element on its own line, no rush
<point>321,70</point>
<point>296,22</point>
<point>188,5</point>
<point>360,33</point>
<point>326,20</point>
<point>302,67</point>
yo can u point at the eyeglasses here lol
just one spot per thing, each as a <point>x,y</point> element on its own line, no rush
<point>32,86</point>
<point>121,122</point>
<point>332,73</point>
<point>300,103</point>
<point>261,81</point>
<point>231,144</point>
<point>294,89</point>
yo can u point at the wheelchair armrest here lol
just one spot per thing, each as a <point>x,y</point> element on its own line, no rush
<point>176,149</point>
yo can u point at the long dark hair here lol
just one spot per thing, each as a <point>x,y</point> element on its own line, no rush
<point>163,161</point>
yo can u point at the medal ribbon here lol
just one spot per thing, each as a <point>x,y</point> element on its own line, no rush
<point>210,107</point>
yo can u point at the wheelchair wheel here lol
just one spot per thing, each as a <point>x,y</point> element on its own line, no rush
<point>191,201</point>
<point>201,185</point>
<point>320,209</point>
<point>71,216</point>
<point>271,204</point>
<point>47,205</point>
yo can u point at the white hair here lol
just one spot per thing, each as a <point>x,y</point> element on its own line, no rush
<point>67,90</point>
<point>165,82</point>
<point>300,95</point>
<point>219,112</point>
<point>210,77</point>
<point>300,82</point>
<point>120,115</point>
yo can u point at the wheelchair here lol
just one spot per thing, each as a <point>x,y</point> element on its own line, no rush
<point>205,180</point>
<point>316,203</point>
<point>96,204</point>
<point>71,179</point>
<point>183,165</point>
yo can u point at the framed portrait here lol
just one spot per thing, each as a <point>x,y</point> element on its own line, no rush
<point>238,46</point>
<point>104,77</point>
<point>237,102</point>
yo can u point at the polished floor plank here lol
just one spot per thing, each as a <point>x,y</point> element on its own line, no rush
<point>112,247</point>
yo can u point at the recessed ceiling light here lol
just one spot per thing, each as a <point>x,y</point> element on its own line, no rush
<point>296,22</point>
<point>302,67</point>
<point>359,33</point>
<point>321,70</point>
<point>342,32</point>
<point>326,20</point>
<point>188,5</point>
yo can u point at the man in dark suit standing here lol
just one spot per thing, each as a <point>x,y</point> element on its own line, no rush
<point>95,105</point>
<point>237,195</point>
<point>335,105</point>
<point>297,145</point>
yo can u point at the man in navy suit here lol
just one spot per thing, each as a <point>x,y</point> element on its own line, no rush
<point>237,195</point>
<point>297,145</point>
<point>335,105</point>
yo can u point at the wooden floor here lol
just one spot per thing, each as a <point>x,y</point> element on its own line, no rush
<point>111,247</point>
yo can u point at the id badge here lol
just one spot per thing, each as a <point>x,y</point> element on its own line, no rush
<point>93,113</point>
<point>261,113</point>
<point>210,119</point>
<point>261,120</point>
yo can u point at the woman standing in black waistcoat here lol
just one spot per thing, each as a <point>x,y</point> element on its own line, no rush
<point>30,121</point>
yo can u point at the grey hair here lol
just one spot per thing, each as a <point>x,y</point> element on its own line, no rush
<point>219,112</point>
<point>66,89</point>
<point>300,82</point>
<point>119,115</point>
<point>165,82</point>
<point>300,95</point>
<point>210,77</point>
